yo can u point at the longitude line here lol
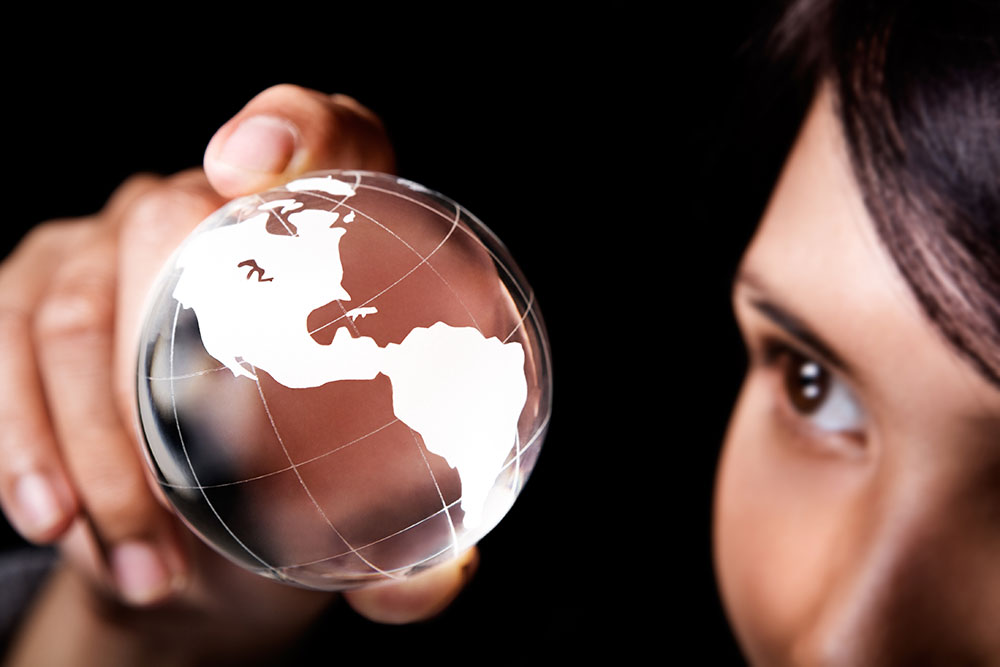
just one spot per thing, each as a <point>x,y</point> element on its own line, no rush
<point>458,213</point>
<point>187,456</point>
<point>437,487</point>
<point>315,503</point>
<point>294,465</point>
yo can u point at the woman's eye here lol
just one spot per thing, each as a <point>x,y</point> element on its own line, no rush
<point>817,395</point>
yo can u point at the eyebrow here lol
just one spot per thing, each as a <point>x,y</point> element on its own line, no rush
<point>790,323</point>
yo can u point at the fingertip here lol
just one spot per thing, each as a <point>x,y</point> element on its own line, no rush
<point>148,571</point>
<point>44,507</point>
<point>286,131</point>
<point>418,598</point>
<point>250,153</point>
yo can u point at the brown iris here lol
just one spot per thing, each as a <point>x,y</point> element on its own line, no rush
<point>806,382</point>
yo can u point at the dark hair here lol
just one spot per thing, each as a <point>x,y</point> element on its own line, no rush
<point>918,90</point>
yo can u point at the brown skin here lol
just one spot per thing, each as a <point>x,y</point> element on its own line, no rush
<point>858,524</point>
<point>134,586</point>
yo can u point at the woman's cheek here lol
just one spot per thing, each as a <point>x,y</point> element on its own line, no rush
<point>782,529</point>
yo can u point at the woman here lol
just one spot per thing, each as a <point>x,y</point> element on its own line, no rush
<point>857,497</point>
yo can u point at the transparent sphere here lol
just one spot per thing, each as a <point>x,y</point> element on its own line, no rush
<point>342,380</point>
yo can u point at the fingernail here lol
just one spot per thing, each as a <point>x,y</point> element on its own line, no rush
<point>140,573</point>
<point>260,143</point>
<point>37,500</point>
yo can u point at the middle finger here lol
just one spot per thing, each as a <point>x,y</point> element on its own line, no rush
<point>73,330</point>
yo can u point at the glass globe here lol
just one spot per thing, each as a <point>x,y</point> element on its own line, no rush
<point>342,380</point>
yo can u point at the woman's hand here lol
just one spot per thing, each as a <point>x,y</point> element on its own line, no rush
<point>70,297</point>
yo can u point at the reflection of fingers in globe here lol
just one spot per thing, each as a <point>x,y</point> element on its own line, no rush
<point>418,598</point>
<point>286,131</point>
<point>150,228</point>
<point>73,330</point>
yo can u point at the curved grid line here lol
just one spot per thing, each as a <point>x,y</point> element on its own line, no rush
<point>185,376</point>
<point>468,232</point>
<point>382,539</point>
<point>291,467</point>
<point>423,260</point>
<point>298,475</point>
<point>517,460</point>
<point>350,320</point>
<point>280,219</point>
<point>458,215</point>
<point>403,568</point>
<point>437,487</point>
<point>524,315</point>
<point>496,260</point>
<point>187,456</point>
<point>531,442</point>
<point>401,279</point>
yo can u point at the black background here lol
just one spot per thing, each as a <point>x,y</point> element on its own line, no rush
<point>641,153</point>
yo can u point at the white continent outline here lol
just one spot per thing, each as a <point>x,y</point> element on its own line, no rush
<point>252,292</point>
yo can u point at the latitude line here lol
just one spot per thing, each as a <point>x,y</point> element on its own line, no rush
<point>187,455</point>
<point>531,441</point>
<point>437,487</point>
<point>468,232</point>
<point>458,213</point>
<point>402,568</point>
<point>185,376</point>
<point>383,539</point>
<point>423,260</point>
<point>294,465</point>
<point>274,427</point>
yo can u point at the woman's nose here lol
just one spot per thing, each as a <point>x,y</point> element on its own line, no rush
<point>918,583</point>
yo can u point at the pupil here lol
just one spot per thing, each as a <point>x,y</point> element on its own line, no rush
<point>806,382</point>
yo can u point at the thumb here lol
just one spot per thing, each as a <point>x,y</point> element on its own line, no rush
<point>286,131</point>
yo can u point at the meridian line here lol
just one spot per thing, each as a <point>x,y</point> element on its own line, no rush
<point>458,214</point>
<point>403,568</point>
<point>524,315</point>
<point>275,212</point>
<point>437,487</point>
<point>319,509</point>
<point>294,465</point>
<point>383,539</point>
<point>187,456</point>
<point>422,261</point>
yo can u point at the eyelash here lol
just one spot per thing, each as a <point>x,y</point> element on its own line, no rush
<point>780,359</point>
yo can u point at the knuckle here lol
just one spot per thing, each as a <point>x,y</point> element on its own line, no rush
<point>288,91</point>
<point>15,456</point>
<point>77,305</point>
<point>130,188</point>
<point>14,324</point>
<point>303,105</point>
<point>47,236</point>
<point>120,504</point>
<point>152,214</point>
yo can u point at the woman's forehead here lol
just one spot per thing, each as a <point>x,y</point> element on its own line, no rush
<point>816,252</point>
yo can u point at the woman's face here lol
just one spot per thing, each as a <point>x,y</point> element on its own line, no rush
<point>858,499</point>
